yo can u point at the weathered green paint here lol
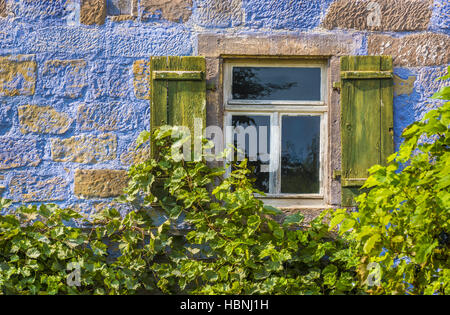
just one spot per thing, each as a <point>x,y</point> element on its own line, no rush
<point>178,91</point>
<point>178,75</point>
<point>367,75</point>
<point>366,119</point>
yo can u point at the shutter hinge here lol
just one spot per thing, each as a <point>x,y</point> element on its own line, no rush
<point>337,174</point>
<point>337,86</point>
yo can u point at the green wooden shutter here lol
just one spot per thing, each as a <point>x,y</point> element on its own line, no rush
<point>178,91</point>
<point>366,119</point>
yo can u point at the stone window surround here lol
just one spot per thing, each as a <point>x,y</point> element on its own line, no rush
<point>218,48</point>
<point>316,108</point>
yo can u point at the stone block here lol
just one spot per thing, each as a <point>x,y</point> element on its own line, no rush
<point>70,40</point>
<point>219,13</point>
<point>100,183</point>
<point>27,188</point>
<point>178,11</point>
<point>93,12</point>
<point>214,45</point>
<point>42,119</point>
<point>403,86</point>
<point>86,149</point>
<point>127,41</point>
<point>379,15</point>
<point>64,78</point>
<point>3,11</point>
<point>106,117</point>
<point>135,156</point>
<point>17,75</point>
<point>34,11</point>
<point>110,80</point>
<point>141,80</point>
<point>121,7</point>
<point>417,50</point>
<point>283,14</point>
<point>18,153</point>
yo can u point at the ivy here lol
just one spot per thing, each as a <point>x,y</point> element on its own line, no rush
<point>230,243</point>
<point>233,243</point>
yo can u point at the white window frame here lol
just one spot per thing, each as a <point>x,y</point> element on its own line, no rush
<point>276,110</point>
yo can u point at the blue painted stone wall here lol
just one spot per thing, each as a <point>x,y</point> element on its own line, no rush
<point>74,75</point>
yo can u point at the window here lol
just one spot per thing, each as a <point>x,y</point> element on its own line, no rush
<point>276,114</point>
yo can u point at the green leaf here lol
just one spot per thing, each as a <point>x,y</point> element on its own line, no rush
<point>337,219</point>
<point>33,253</point>
<point>370,243</point>
<point>296,218</point>
<point>443,94</point>
<point>346,225</point>
<point>211,275</point>
<point>398,239</point>
<point>253,222</point>
<point>424,251</point>
<point>271,210</point>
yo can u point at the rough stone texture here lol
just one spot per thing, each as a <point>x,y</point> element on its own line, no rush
<point>100,183</point>
<point>42,119</point>
<point>412,107</point>
<point>128,41</point>
<point>17,75</point>
<point>121,18</point>
<point>64,78</point>
<point>135,156</point>
<point>427,49</point>
<point>28,188</point>
<point>70,40</point>
<point>38,11</point>
<point>284,14</point>
<point>106,117</point>
<point>18,152</point>
<point>441,16</point>
<point>110,80</point>
<point>141,82</point>
<point>403,86</point>
<point>6,118</point>
<point>93,12</point>
<point>122,7</point>
<point>428,83</point>
<point>212,45</point>
<point>219,13</point>
<point>398,15</point>
<point>170,10</point>
<point>85,149</point>
<point>3,12</point>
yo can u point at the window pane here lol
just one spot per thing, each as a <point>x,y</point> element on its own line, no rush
<point>271,83</point>
<point>256,150</point>
<point>300,165</point>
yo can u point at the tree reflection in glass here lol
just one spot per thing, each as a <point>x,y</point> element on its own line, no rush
<point>276,83</point>
<point>261,178</point>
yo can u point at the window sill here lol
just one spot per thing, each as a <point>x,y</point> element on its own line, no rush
<point>296,203</point>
